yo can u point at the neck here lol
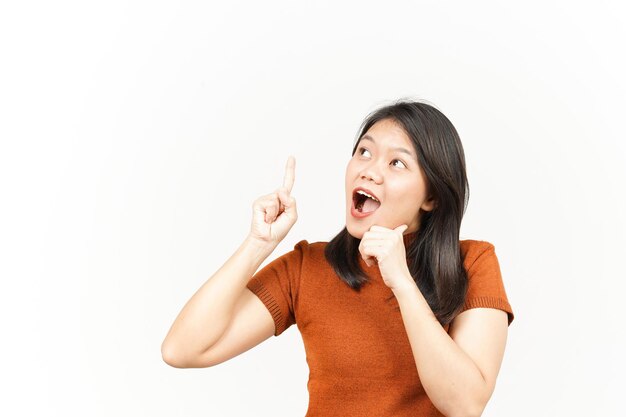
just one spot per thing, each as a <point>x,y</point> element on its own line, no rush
<point>408,238</point>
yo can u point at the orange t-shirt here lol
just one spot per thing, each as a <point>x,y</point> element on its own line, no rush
<point>357,349</point>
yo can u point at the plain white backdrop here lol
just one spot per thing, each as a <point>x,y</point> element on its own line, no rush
<point>136,135</point>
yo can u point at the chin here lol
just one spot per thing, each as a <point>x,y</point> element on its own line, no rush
<point>352,231</point>
<point>356,231</point>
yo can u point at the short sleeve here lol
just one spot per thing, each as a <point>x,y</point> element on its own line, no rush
<point>485,285</point>
<point>277,284</point>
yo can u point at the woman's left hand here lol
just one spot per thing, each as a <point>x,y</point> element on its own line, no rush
<point>386,247</point>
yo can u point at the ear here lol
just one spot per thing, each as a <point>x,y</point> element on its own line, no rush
<point>429,204</point>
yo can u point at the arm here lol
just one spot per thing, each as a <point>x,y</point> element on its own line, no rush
<point>205,317</point>
<point>458,371</point>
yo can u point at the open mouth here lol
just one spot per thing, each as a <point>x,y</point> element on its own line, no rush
<point>364,203</point>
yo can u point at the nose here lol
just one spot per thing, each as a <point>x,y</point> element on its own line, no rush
<point>371,172</point>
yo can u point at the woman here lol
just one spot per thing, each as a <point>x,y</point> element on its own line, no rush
<point>398,317</point>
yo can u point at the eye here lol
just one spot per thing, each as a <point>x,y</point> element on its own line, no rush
<point>399,161</point>
<point>361,151</point>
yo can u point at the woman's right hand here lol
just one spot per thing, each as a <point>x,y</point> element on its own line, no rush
<point>274,214</point>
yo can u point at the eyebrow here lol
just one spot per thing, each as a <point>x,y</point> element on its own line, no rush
<point>398,149</point>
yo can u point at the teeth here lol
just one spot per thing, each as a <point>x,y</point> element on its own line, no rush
<point>366,194</point>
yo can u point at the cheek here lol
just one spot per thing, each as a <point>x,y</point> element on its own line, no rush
<point>404,198</point>
<point>348,181</point>
<point>351,172</point>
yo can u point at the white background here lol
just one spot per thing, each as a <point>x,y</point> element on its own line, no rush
<point>136,135</point>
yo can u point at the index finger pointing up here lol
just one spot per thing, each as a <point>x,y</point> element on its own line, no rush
<point>290,173</point>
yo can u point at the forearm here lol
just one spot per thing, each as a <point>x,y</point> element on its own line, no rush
<point>205,317</point>
<point>450,378</point>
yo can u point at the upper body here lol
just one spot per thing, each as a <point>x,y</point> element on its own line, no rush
<point>356,344</point>
<point>380,350</point>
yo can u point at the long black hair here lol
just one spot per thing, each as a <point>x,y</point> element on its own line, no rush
<point>433,255</point>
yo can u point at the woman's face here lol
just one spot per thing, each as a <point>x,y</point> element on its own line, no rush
<point>381,166</point>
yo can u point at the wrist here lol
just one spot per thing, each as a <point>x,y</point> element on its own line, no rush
<point>256,248</point>
<point>407,288</point>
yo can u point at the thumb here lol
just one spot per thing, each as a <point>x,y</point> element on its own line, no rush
<point>286,200</point>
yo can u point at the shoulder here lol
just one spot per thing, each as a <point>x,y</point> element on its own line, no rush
<point>485,282</point>
<point>472,249</point>
<point>310,250</point>
<point>307,256</point>
<point>474,245</point>
<point>305,244</point>
<point>479,257</point>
